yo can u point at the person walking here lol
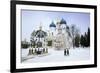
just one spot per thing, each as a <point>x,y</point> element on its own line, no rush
<point>65,52</point>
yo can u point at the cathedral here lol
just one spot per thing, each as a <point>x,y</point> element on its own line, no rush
<point>60,35</point>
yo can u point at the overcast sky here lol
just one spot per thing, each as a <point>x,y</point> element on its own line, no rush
<point>32,19</point>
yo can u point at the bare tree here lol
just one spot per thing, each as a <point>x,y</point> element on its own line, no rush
<point>74,31</point>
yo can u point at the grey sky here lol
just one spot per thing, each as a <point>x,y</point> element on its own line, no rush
<point>32,19</point>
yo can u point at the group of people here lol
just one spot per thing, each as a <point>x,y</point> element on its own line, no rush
<point>38,51</point>
<point>66,52</point>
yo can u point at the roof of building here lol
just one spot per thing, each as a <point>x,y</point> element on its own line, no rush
<point>63,21</point>
<point>52,25</point>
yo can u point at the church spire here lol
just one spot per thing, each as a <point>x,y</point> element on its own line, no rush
<point>40,27</point>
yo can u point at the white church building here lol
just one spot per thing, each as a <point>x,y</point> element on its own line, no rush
<point>59,35</point>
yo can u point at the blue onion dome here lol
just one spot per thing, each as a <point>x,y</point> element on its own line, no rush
<point>52,25</point>
<point>63,21</point>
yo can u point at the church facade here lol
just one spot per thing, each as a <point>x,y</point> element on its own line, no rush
<point>59,35</point>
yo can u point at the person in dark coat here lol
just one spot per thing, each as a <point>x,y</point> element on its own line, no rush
<point>64,51</point>
<point>67,51</point>
<point>35,50</point>
<point>32,51</point>
<point>43,50</point>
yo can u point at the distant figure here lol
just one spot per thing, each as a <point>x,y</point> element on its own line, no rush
<point>32,51</point>
<point>35,50</point>
<point>65,52</point>
<point>43,50</point>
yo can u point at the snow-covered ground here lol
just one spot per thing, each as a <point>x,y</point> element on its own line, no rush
<point>53,55</point>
